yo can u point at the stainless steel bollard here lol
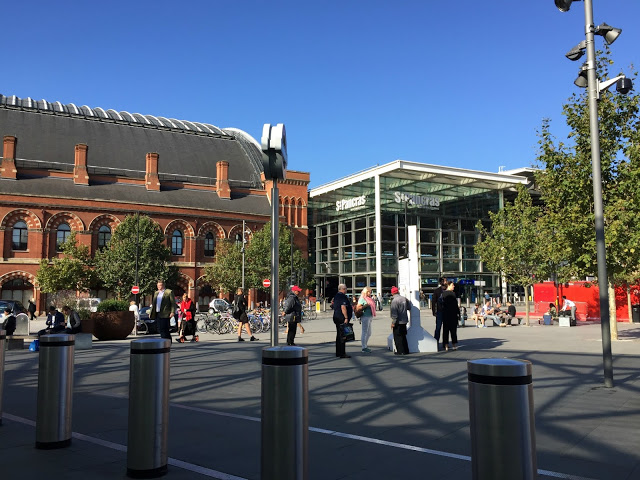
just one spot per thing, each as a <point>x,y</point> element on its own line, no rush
<point>285,413</point>
<point>3,341</point>
<point>148,429</point>
<point>503,443</point>
<point>55,391</point>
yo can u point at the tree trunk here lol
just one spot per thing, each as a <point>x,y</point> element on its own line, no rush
<point>629,303</point>
<point>526,305</point>
<point>613,319</point>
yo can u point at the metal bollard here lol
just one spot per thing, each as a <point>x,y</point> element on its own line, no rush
<point>55,391</point>
<point>148,426</point>
<point>3,341</point>
<point>285,413</point>
<point>503,443</point>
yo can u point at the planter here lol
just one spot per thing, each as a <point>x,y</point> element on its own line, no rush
<point>112,325</point>
<point>86,325</point>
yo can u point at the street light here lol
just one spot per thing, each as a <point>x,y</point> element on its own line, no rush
<point>594,87</point>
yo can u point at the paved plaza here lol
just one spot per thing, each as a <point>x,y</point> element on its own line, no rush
<point>373,416</point>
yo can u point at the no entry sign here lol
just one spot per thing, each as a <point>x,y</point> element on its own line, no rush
<point>266,283</point>
<point>135,289</point>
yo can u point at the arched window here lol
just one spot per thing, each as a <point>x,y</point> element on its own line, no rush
<point>176,243</point>
<point>104,235</point>
<point>64,231</point>
<point>20,236</point>
<point>209,245</point>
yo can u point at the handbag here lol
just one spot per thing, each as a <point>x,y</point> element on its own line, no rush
<point>359,310</point>
<point>346,332</point>
<point>34,346</point>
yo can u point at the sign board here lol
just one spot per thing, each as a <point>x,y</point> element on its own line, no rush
<point>266,283</point>
<point>135,289</point>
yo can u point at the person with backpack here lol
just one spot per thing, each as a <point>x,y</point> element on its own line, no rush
<point>292,313</point>
<point>239,312</point>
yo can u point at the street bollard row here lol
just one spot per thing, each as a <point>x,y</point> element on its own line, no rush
<point>500,410</point>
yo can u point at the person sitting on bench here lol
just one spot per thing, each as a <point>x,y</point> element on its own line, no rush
<point>56,322</point>
<point>510,315</point>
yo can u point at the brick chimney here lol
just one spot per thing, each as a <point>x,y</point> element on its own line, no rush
<point>8,166</point>
<point>151,180</point>
<point>80,174</point>
<point>222,180</point>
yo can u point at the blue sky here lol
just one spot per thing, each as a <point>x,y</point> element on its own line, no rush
<point>357,83</point>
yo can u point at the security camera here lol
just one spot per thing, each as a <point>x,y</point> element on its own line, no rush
<point>624,85</point>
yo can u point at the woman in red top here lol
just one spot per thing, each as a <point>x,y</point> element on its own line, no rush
<point>188,324</point>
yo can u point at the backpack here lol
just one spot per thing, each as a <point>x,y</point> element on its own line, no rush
<point>358,310</point>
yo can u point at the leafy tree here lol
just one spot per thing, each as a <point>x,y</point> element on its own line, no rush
<point>565,182</point>
<point>258,253</point>
<point>116,264</point>
<point>225,273</point>
<point>72,272</point>
<point>515,244</point>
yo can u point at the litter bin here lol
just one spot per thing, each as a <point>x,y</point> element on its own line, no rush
<point>635,313</point>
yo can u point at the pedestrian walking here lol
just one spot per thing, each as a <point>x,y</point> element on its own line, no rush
<point>163,309</point>
<point>292,313</point>
<point>239,312</point>
<point>342,313</point>
<point>368,307</point>
<point>399,319</point>
<point>188,319</point>
<point>31,309</point>
<point>436,308</point>
<point>450,317</point>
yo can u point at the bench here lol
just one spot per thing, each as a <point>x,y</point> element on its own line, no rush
<point>84,341</point>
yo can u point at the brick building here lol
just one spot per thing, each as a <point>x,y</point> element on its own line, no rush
<point>66,168</point>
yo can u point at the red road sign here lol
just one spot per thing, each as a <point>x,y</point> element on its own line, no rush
<point>135,289</point>
<point>266,283</point>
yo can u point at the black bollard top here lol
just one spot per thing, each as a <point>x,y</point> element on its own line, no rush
<point>57,340</point>
<point>499,371</point>
<point>285,356</point>
<point>150,346</point>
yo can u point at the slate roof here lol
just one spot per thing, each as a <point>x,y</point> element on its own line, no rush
<point>119,141</point>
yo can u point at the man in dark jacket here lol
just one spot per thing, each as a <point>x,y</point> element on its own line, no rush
<point>292,313</point>
<point>399,319</point>
<point>56,322</point>
<point>436,308</point>
<point>9,322</point>
<point>342,313</point>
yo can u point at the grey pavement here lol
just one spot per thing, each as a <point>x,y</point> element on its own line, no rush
<point>371,416</point>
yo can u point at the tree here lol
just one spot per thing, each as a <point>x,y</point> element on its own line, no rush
<point>116,264</point>
<point>258,255</point>
<point>566,185</point>
<point>225,273</point>
<point>72,272</point>
<point>515,243</point>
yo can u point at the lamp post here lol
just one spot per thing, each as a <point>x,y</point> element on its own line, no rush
<point>594,87</point>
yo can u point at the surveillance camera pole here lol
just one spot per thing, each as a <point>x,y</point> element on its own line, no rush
<point>603,279</point>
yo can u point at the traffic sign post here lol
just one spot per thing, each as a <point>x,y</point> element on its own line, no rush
<point>266,283</point>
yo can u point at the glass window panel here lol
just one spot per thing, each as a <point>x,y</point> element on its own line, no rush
<point>209,245</point>
<point>468,225</point>
<point>324,243</point>
<point>333,254</point>
<point>361,266</point>
<point>346,238</point>
<point>429,236</point>
<point>360,251</point>
<point>323,256</point>
<point>450,237</point>
<point>450,224</point>
<point>451,266</point>
<point>388,219</point>
<point>428,251</point>
<point>429,265</point>
<point>468,252</point>
<point>388,249</point>
<point>347,267</point>
<point>333,228</point>
<point>346,226</point>
<point>62,233</point>
<point>428,222</point>
<point>323,231</point>
<point>360,223</point>
<point>372,264</point>
<point>470,266</point>
<point>469,239</point>
<point>361,236</point>
<point>333,240</point>
<point>104,236</point>
<point>450,252</point>
<point>372,249</point>
<point>176,243</point>
<point>20,236</point>
<point>389,234</point>
<point>361,282</point>
<point>389,264</point>
<point>347,253</point>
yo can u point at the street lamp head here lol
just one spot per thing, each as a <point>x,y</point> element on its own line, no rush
<point>582,80</point>
<point>609,33</point>
<point>564,5</point>
<point>577,52</point>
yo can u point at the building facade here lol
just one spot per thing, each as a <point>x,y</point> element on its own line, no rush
<point>358,226</point>
<point>66,168</point>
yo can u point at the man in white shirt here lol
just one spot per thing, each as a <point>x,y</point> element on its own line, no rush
<point>568,308</point>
